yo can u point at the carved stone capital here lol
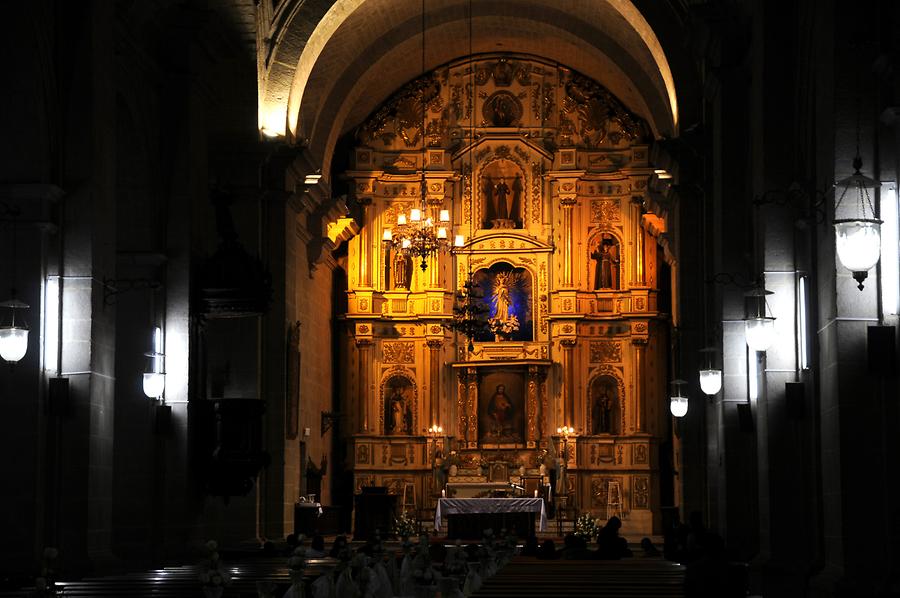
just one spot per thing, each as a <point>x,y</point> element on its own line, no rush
<point>434,343</point>
<point>567,343</point>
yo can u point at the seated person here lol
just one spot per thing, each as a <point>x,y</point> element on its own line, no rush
<point>316,548</point>
<point>610,545</point>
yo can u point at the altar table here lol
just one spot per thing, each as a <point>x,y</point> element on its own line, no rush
<point>466,516</point>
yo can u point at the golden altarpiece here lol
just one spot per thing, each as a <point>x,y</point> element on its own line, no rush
<point>544,172</point>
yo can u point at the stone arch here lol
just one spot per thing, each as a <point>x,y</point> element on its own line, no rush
<point>296,96</point>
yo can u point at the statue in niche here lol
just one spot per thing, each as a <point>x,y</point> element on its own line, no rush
<point>606,262</point>
<point>604,391</point>
<point>397,410</point>
<point>517,188</point>
<point>401,266</point>
<point>488,190</point>
<point>502,200</point>
<point>502,188</point>
<point>507,299</point>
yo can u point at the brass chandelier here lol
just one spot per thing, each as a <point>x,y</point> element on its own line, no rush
<point>470,313</point>
<point>419,236</point>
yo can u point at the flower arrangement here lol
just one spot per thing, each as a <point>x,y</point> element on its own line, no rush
<point>214,576</point>
<point>45,583</point>
<point>504,327</point>
<point>404,526</point>
<point>586,526</point>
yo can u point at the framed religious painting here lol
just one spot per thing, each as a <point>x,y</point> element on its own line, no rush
<point>501,407</point>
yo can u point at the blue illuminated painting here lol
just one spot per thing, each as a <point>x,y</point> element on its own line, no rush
<point>506,293</point>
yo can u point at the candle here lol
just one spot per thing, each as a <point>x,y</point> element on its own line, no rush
<point>535,493</point>
<point>443,494</point>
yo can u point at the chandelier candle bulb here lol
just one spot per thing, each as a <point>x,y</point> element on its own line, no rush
<point>388,235</point>
<point>459,241</point>
<point>401,219</point>
<point>444,216</point>
<point>415,215</point>
<point>406,244</point>
<point>442,233</point>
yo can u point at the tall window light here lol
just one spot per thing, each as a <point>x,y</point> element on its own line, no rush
<point>890,249</point>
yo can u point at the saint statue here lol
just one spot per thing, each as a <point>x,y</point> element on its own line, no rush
<point>606,269</point>
<point>400,266</point>
<point>501,298</point>
<point>517,188</point>
<point>601,410</point>
<point>488,189</point>
<point>398,413</point>
<point>502,200</point>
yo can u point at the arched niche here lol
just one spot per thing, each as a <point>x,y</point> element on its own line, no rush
<point>503,187</point>
<point>508,294</point>
<point>606,403</point>
<point>606,262</point>
<point>398,403</point>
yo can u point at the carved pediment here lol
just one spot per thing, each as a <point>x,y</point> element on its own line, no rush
<point>456,104</point>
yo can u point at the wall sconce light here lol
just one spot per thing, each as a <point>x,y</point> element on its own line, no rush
<point>857,240</point>
<point>155,376</point>
<point>678,403</point>
<point>710,376</point>
<point>13,332</point>
<point>759,328</point>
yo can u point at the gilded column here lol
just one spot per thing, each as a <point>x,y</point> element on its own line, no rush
<point>365,244</point>
<point>434,370</point>
<point>462,393</point>
<point>637,213</point>
<point>567,203</point>
<point>568,344</point>
<point>472,409</point>
<point>533,406</point>
<point>364,349</point>
<point>640,349</point>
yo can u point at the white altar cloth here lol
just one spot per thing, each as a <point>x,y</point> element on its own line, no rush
<point>455,506</point>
